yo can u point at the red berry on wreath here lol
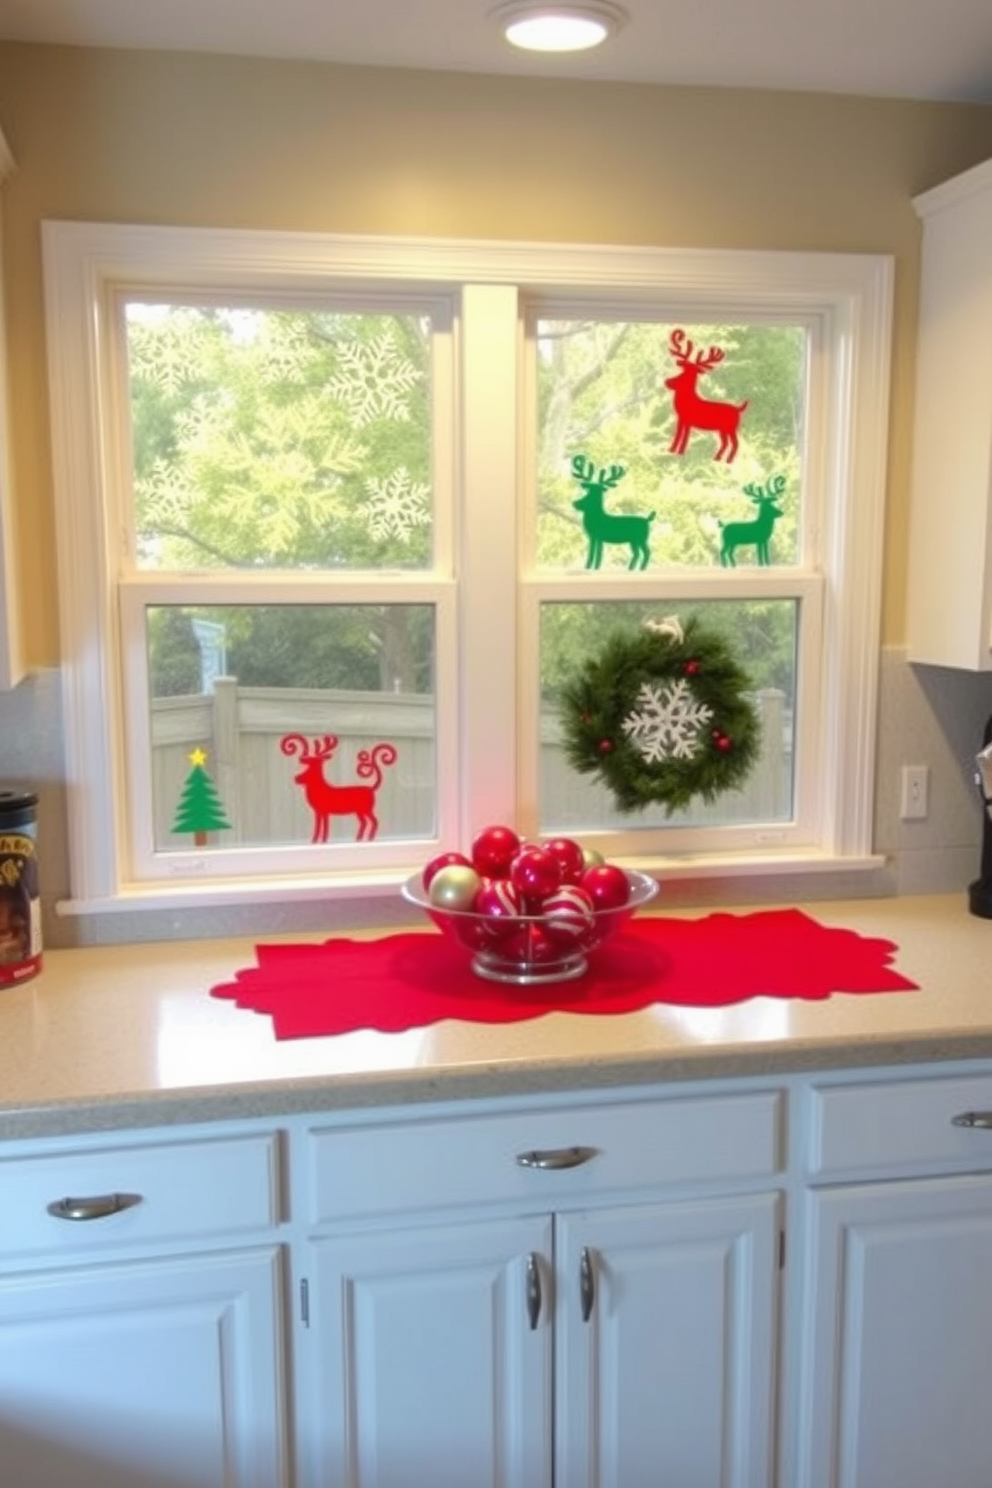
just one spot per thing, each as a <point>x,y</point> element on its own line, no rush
<point>605,746</point>
<point>691,668</point>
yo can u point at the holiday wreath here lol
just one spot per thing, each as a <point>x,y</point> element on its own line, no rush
<point>661,715</point>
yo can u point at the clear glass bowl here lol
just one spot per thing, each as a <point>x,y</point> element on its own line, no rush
<point>530,949</point>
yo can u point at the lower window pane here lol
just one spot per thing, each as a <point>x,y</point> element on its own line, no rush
<point>761,634</point>
<point>291,724</point>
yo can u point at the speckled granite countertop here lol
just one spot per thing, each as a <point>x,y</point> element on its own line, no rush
<point>126,1036</point>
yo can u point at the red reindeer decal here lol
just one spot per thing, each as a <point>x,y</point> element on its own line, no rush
<point>694,412</point>
<point>326,800</point>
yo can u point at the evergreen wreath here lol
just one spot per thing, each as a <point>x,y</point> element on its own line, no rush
<point>661,715</point>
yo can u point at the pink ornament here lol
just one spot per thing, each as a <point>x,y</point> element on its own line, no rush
<point>535,873</point>
<point>569,913</point>
<point>570,857</point>
<point>443,860</point>
<point>493,850</point>
<point>606,885</point>
<point>499,898</point>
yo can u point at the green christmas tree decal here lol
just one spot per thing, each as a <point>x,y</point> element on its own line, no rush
<point>200,810</point>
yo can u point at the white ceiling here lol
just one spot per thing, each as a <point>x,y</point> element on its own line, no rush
<point>928,49</point>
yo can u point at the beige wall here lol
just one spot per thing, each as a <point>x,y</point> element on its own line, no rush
<point>133,137</point>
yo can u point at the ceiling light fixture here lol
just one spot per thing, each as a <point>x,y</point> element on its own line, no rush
<point>558,28</point>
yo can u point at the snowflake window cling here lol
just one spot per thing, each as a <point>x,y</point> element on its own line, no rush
<point>396,505</point>
<point>669,722</point>
<point>662,715</point>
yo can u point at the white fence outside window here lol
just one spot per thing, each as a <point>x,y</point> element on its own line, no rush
<point>240,728</point>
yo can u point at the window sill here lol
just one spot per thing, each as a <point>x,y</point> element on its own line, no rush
<point>776,869</point>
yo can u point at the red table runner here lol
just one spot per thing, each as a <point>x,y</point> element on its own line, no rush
<point>410,980</point>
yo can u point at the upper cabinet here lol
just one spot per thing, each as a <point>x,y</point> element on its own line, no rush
<point>11,667</point>
<point>949,606</point>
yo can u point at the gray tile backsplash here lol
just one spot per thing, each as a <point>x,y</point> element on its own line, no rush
<point>927,715</point>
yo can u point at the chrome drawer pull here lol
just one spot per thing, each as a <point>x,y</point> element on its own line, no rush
<point>979,1120</point>
<point>553,1158</point>
<point>587,1284</point>
<point>533,1290</point>
<point>97,1207</point>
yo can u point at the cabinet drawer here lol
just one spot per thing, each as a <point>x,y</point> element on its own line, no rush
<point>458,1160</point>
<point>178,1190</point>
<point>898,1126</point>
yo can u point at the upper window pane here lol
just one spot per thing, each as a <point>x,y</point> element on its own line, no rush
<point>691,428</point>
<point>279,438</point>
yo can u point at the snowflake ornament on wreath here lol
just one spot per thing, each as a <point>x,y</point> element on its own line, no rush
<point>661,716</point>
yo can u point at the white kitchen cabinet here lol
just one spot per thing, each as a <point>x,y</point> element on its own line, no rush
<point>560,1326</point>
<point>432,1357</point>
<point>665,1348</point>
<point>580,1291</point>
<point>154,1372</point>
<point>949,594</point>
<point>896,1323</point>
<point>141,1317</point>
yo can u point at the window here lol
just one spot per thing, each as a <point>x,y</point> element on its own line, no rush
<point>324,575</point>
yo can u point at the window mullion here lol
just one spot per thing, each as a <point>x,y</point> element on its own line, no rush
<point>487,548</point>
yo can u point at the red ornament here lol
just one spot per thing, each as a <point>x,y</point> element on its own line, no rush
<point>605,746</point>
<point>607,886</point>
<point>569,913</point>
<point>535,873</point>
<point>499,898</point>
<point>493,850</point>
<point>570,856</point>
<point>724,744</point>
<point>691,668</point>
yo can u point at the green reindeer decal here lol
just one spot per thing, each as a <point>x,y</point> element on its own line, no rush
<point>603,527</point>
<point>757,533</point>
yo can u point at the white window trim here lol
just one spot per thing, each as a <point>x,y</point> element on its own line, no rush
<point>86,263</point>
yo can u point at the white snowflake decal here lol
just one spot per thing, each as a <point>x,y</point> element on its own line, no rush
<point>396,505</point>
<point>374,379</point>
<point>668,722</point>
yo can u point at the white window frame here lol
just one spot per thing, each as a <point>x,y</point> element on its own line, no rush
<point>489,656</point>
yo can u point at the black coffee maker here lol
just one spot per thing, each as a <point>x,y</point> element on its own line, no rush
<point>980,892</point>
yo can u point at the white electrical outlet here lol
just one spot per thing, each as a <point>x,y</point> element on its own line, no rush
<point>914,795</point>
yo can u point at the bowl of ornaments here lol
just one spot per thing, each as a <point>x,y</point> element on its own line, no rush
<point>528,912</point>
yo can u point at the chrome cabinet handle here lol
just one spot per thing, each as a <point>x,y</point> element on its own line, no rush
<point>550,1159</point>
<point>977,1120</point>
<point>587,1283</point>
<point>533,1290</point>
<point>98,1206</point>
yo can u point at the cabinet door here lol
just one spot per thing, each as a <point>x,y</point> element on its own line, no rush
<point>899,1351</point>
<point>430,1358</point>
<point>666,1320</point>
<point>156,1373</point>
